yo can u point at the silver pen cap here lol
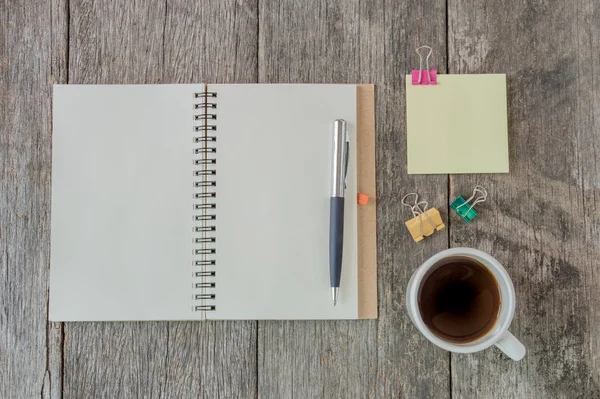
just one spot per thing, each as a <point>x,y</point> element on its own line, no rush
<point>340,158</point>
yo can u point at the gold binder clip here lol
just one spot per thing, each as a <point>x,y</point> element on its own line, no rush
<point>425,221</point>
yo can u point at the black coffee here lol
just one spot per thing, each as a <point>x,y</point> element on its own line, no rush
<point>459,299</point>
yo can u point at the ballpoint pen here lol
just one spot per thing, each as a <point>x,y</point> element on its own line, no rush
<point>341,146</point>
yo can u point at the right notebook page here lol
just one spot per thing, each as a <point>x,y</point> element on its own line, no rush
<point>458,125</point>
<point>273,171</point>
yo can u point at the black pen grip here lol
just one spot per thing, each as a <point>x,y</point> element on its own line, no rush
<point>336,239</point>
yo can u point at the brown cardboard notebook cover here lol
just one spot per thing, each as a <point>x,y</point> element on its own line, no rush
<point>367,235</point>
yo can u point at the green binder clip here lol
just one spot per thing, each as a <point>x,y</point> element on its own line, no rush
<point>466,209</point>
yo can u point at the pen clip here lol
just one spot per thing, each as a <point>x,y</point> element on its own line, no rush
<point>346,158</point>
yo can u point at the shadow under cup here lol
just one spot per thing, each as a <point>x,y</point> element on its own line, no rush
<point>459,299</point>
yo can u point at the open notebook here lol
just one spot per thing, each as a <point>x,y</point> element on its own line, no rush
<point>194,201</point>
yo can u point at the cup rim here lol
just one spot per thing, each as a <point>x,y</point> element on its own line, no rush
<point>508,300</point>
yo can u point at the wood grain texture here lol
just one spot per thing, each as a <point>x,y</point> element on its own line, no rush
<point>542,220</point>
<point>28,366</point>
<point>166,42</point>
<point>350,42</point>
<point>211,41</point>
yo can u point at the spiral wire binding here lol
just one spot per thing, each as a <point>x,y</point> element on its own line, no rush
<point>205,206</point>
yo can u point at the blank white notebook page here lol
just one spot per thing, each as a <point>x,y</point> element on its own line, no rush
<point>274,154</point>
<point>122,202</point>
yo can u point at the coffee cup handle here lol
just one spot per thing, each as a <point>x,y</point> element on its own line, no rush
<point>511,346</point>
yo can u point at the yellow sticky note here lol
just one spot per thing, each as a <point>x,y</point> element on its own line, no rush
<point>457,126</point>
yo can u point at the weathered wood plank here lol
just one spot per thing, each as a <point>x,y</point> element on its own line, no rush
<point>53,384</point>
<point>367,42</point>
<point>172,42</point>
<point>211,41</point>
<point>60,40</point>
<point>542,221</point>
<point>28,365</point>
<point>59,67</point>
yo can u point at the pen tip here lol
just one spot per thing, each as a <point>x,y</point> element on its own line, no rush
<point>334,294</point>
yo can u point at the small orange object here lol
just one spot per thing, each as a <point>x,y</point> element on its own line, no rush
<point>362,199</point>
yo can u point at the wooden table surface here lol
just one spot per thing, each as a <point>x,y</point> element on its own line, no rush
<point>542,220</point>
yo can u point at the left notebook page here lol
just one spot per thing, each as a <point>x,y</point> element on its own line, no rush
<point>122,198</point>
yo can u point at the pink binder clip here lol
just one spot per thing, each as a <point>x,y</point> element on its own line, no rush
<point>430,75</point>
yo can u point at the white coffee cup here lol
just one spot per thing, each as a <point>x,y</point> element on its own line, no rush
<point>498,335</point>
